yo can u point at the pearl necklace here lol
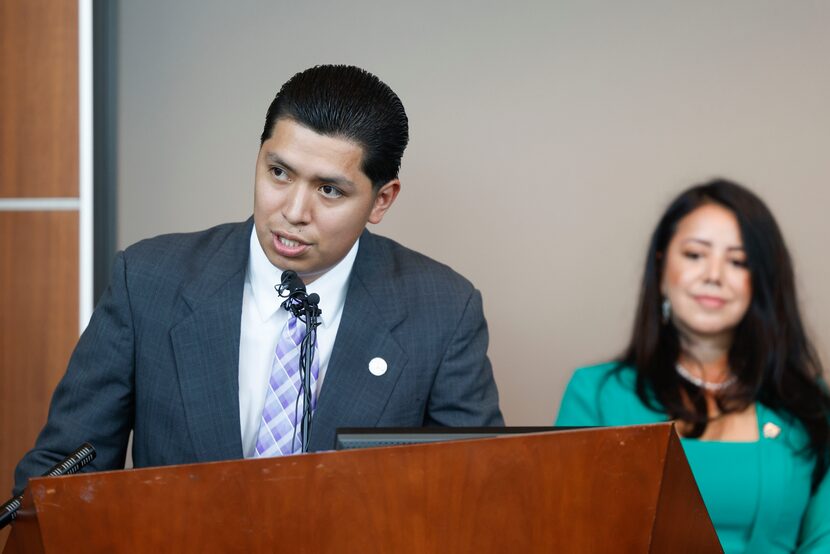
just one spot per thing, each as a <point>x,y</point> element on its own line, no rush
<point>698,382</point>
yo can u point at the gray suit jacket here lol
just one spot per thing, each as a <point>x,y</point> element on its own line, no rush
<point>161,354</point>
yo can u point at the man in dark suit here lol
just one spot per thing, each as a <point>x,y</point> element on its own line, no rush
<point>180,349</point>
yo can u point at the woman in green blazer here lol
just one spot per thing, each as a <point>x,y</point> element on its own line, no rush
<point>719,347</point>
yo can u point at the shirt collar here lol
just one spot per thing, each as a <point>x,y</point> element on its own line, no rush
<point>331,286</point>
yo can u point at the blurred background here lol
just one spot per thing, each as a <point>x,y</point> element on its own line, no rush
<point>546,139</point>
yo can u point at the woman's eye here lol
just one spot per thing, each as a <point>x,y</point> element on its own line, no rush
<point>330,191</point>
<point>738,263</point>
<point>691,255</point>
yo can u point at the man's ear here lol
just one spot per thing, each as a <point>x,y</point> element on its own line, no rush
<point>384,198</point>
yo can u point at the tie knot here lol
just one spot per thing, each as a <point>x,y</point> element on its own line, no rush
<point>292,304</point>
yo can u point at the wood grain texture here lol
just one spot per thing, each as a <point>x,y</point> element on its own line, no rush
<point>38,251</point>
<point>678,486</point>
<point>38,98</point>
<point>26,538</point>
<point>38,323</point>
<point>593,490</point>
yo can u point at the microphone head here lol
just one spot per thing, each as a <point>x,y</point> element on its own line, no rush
<point>288,276</point>
<point>314,298</point>
<point>291,281</point>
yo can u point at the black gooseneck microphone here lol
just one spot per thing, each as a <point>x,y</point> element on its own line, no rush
<point>69,465</point>
<point>304,307</point>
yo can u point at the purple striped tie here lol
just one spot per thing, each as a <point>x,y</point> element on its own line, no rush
<point>283,399</point>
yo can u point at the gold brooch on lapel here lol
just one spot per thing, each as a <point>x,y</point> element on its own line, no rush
<point>771,430</point>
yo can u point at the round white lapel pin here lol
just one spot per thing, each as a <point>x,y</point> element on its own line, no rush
<point>377,366</point>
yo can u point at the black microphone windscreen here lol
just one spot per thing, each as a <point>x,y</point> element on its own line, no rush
<point>291,281</point>
<point>288,276</point>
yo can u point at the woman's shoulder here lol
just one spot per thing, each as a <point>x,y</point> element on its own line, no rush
<point>604,394</point>
<point>609,377</point>
<point>782,426</point>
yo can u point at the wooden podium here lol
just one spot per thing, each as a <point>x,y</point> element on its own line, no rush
<point>624,489</point>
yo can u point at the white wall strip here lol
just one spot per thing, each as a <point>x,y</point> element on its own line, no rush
<point>85,247</point>
<point>39,204</point>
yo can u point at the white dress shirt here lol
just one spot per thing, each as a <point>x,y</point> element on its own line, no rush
<point>263,319</point>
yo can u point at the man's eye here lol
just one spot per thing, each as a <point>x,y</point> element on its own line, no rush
<point>330,191</point>
<point>279,173</point>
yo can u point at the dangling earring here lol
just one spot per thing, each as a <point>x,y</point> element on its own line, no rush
<point>666,309</point>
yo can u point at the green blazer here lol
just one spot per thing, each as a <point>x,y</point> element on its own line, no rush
<point>789,517</point>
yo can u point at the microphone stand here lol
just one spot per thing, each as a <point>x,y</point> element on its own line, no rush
<point>305,308</point>
<point>312,312</point>
<point>69,465</point>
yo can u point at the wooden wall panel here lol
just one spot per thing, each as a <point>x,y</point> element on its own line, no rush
<point>39,158</point>
<point>39,323</point>
<point>38,98</point>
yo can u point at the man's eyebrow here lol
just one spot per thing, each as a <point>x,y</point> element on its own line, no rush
<point>339,181</point>
<point>274,159</point>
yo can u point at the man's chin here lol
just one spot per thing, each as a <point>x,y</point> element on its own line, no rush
<point>306,273</point>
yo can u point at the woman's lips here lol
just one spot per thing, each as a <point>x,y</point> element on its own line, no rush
<point>711,302</point>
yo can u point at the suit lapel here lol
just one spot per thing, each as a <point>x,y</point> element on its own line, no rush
<point>206,348</point>
<point>351,395</point>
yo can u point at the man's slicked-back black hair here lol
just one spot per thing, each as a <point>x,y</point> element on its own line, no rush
<point>348,102</point>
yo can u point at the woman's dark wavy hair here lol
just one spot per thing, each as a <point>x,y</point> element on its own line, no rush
<point>771,355</point>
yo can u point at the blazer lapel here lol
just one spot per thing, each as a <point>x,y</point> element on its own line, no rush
<point>774,465</point>
<point>206,348</point>
<point>351,395</point>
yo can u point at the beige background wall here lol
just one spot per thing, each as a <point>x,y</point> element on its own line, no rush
<point>546,138</point>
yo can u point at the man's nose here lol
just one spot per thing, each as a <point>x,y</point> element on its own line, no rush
<point>297,208</point>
